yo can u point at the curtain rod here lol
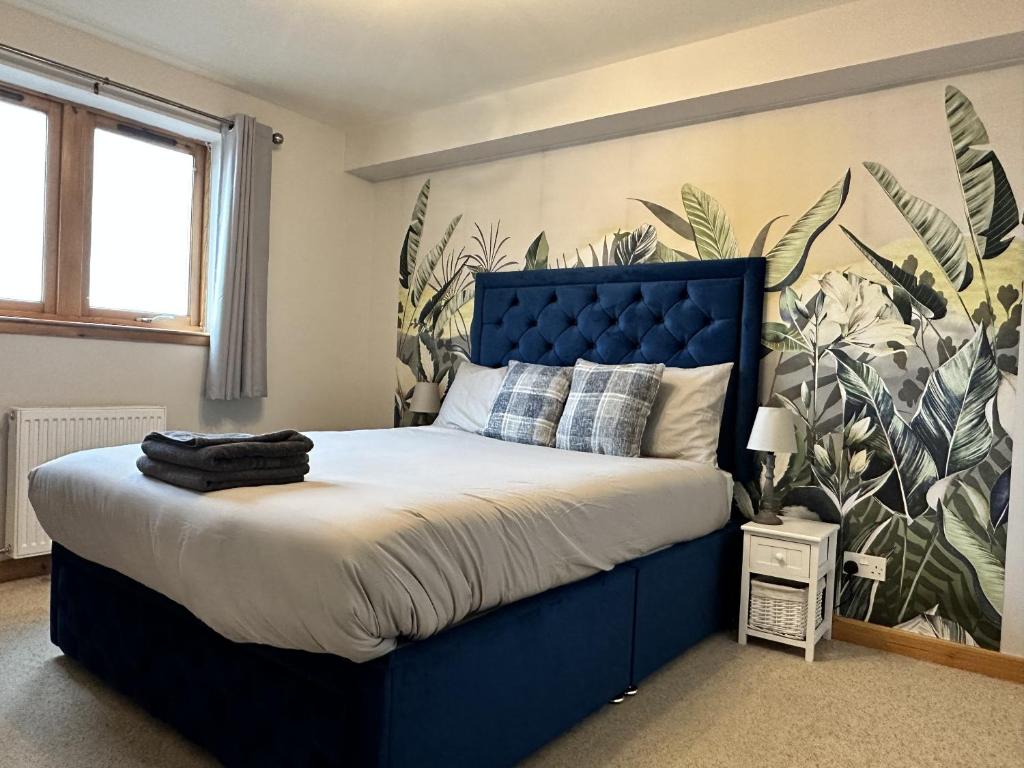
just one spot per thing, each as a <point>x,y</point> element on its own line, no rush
<point>100,80</point>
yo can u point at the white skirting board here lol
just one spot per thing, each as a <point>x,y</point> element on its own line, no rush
<point>37,435</point>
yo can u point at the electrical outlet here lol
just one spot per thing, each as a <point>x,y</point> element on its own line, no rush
<point>868,566</point>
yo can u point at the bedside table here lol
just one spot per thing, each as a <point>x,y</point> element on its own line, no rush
<point>799,560</point>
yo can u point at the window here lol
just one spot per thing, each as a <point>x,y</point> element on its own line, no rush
<point>101,223</point>
<point>28,210</point>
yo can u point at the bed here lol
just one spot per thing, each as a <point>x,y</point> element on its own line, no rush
<point>168,603</point>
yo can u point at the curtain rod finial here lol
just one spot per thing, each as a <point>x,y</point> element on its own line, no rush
<point>277,138</point>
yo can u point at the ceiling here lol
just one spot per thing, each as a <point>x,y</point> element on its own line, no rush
<point>359,61</point>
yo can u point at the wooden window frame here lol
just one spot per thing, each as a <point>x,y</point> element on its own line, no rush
<point>65,310</point>
<point>54,113</point>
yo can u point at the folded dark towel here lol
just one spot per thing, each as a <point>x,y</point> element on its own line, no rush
<point>216,459</point>
<point>203,440</point>
<point>199,480</point>
<point>212,452</point>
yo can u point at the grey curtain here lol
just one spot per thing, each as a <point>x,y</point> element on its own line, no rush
<point>237,303</point>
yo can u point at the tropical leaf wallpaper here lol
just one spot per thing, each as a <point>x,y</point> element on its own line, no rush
<point>897,357</point>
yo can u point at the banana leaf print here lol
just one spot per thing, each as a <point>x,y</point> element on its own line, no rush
<point>974,546</point>
<point>923,570</point>
<point>999,499</point>
<point>940,235</point>
<point>425,268</point>
<point>991,208</point>
<point>664,254</point>
<point>952,414</point>
<point>636,247</point>
<point>783,337</point>
<point>931,624</point>
<point>741,497</point>
<point>670,219</point>
<point>914,469</point>
<point>537,253</point>
<point>411,244</point>
<point>711,228</point>
<point>757,247</point>
<point>926,300</point>
<point>432,309</point>
<point>787,258</point>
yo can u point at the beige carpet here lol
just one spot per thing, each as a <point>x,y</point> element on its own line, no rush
<point>719,705</point>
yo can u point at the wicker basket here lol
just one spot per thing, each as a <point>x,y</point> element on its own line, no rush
<point>781,609</point>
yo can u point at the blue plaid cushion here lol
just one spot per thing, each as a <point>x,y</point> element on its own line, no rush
<point>529,404</point>
<point>608,407</point>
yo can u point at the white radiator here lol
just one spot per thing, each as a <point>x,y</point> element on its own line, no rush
<point>40,434</point>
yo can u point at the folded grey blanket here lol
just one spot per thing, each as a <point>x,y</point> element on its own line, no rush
<point>199,480</point>
<point>229,452</point>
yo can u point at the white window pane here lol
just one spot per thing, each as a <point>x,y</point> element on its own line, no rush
<point>141,226</point>
<point>22,202</point>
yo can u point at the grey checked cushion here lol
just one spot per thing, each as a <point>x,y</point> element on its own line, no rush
<point>529,404</point>
<point>608,407</point>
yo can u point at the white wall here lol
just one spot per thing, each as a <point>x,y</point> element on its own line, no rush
<point>849,48</point>
<point>326,369</point>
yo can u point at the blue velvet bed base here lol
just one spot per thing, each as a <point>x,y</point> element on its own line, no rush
<point>485,693</point>
<point>492,690</point>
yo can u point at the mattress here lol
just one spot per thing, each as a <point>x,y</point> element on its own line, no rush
<point>395,534</point>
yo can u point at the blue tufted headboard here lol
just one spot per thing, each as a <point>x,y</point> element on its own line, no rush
<point>685,314</point>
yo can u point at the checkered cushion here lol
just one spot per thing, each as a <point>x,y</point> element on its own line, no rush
<point>529,404</point>
<point>608,407</point>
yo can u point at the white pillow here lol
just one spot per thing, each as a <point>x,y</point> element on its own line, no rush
<point>687,414</point>
<point>467,406</point>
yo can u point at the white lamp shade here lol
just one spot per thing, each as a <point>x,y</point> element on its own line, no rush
<point>773,432</point>
<point>426,398</point>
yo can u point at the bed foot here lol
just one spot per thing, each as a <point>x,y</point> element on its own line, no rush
<point>631,691</point>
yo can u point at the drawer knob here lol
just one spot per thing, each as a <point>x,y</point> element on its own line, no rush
<point>780,557</point>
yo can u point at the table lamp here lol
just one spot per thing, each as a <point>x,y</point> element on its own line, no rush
<point>426,399</point>
<point>773,432</point>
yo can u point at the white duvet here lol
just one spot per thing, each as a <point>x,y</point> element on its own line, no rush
<point>394,534</point>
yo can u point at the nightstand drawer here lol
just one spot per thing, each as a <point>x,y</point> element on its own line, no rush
<point>777,557</point>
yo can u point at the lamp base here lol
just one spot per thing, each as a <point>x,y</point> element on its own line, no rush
<point>767,517</point>
<point>768,509</point>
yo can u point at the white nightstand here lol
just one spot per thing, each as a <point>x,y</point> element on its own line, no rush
<point>799,554</point>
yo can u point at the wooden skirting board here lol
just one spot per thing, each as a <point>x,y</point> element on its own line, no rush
<point>24,567</point>
<point>980,660</point>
